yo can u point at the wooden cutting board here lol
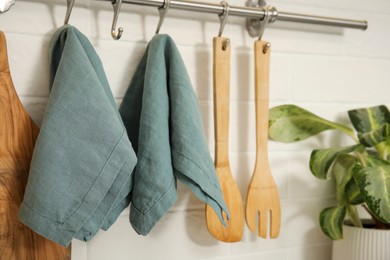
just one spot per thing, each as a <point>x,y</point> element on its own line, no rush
<point>18,134</point>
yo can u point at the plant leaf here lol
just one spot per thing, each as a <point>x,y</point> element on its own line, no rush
<point>342,171</point>
<point>372,162</point>
<point>368,119</point>
<point>374,185</point>
<point>347,190</point>
<point>376,136</point>
<point>290,123</point>
<point>331,221</point>
<point>322,159</point>
<point>353,194</point>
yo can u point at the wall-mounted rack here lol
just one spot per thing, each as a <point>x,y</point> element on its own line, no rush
<point>254,10</point>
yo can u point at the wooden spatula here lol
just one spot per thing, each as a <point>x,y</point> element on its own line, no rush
<point>231,193</point>
<point>262,200</point>
<point>17,138</point>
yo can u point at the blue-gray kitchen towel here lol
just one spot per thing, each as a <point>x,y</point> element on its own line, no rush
<point>81,171</point>
<point>161,113</point>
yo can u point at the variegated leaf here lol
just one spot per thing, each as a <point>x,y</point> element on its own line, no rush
<point>290,123</point>
<point>374,185</point>
<point>368,119</point>
<point>331,221</point>
<point>342,171</point>
<point>353,193</point>
<point>372,162</point>
<point>321,160</point>
<point>376,136</point>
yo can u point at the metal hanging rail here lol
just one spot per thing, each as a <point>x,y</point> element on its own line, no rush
<point>253,12</point>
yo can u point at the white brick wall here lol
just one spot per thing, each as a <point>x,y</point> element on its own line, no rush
<point>327,70</point>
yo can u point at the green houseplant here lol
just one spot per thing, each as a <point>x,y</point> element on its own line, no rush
<point>361,171</point>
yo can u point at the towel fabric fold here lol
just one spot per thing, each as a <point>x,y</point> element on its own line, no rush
<point>80,176</point>
<point>162,117</point>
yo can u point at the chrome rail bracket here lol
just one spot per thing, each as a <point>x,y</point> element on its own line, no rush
<point>254,25</point>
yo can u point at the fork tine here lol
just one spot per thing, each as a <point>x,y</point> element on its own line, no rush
<point>251,220</point>
<point>275,221</point>
<point>263,224</point>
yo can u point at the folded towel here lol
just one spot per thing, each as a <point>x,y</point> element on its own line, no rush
<point>161,113</point>
<point>80,175</point>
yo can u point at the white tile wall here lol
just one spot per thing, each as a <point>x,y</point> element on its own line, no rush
<point>326,70</point>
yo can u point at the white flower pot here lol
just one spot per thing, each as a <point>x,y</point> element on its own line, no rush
<point>362,244</point>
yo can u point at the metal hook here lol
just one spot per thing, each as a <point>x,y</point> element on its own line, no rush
<point>264,22</point>
<point>270,14</point>
<point>223,19</point>
<point>69,8</point>
<point>116,35</point>
<point>162,11</point>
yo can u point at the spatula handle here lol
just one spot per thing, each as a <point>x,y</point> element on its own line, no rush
<point>262,63</point>
<point>221,61</point>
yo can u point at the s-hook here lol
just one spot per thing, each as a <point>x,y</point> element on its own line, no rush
<point>223,19</point>
<point>162,11</point>
<point>116,35</point>
<point>268,18</point>
<point>69,8</point>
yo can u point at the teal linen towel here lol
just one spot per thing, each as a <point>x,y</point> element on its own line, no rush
<point>161,113</point>
<point>80,175</point>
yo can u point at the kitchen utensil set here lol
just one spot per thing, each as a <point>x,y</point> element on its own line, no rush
<point>262,201</point>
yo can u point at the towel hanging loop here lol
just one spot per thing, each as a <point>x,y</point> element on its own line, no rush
<point>163,10</point>
<point>116,35</point>
<point>69,8</point>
